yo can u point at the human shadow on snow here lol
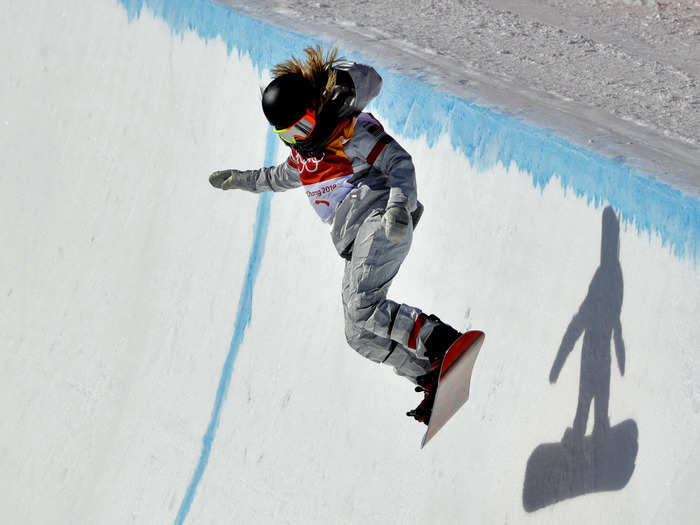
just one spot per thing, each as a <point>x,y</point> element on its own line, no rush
<point>605,460</point>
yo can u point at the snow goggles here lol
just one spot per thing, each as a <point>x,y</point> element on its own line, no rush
<point>300,130</point>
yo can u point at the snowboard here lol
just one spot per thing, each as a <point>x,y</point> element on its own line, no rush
<point>453,384</point>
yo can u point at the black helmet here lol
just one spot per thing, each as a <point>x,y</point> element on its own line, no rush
<point>286,99</point>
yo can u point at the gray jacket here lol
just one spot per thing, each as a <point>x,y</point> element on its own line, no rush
<point>371,173</point>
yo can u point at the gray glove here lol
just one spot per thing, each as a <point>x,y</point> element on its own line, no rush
<point>227,180</point>
<point>396,222</point>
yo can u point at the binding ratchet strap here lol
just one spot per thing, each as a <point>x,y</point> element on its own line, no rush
<point>300,130</point>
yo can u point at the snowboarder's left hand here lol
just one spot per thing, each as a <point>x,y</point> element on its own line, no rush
<point>396,222</point>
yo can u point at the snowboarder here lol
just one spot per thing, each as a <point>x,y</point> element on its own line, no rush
<point>362,183</point>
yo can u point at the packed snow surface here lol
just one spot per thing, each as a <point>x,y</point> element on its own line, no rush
<point>171,353</point>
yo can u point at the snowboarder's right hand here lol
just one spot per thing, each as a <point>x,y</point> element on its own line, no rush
<point>397,223</point>
<point>226,180</point>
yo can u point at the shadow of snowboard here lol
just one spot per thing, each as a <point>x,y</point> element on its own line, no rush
<point>601,462</point>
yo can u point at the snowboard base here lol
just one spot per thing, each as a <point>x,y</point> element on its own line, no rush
<point>455,378</point>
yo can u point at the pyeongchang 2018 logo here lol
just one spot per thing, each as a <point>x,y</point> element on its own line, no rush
<point>323,190</point>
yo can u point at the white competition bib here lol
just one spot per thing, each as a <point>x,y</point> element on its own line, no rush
<point>325,196</point>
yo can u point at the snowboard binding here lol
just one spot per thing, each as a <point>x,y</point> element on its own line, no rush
<point>422,412</point>
<point>437,344</point>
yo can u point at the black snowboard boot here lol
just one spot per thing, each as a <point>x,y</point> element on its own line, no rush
<point>439,341</point>
<point>437,344</point>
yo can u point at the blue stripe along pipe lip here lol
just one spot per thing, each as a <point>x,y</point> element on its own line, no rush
<point>484,137</point>
<point>243,317</point>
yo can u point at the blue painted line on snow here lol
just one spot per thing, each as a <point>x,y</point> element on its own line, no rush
<point>243,317</point>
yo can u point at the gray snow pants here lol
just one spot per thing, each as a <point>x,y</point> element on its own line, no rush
<point>377,328</point>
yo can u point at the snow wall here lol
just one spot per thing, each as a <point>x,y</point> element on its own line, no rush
<point>175,354</point>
